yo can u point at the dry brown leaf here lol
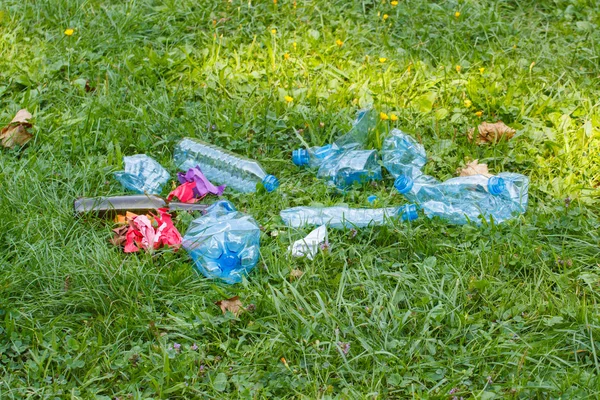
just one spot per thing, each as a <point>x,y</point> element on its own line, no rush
<point>120,235</point>
<point>474,168</point>
<point>234,305</point>
<point>296,274</point>
<point>491,133</point>
<point>15,133</point>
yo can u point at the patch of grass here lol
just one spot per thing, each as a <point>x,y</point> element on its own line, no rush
<point>420,310</point>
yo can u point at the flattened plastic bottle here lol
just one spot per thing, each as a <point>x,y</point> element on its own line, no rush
<point>345,217</point>
<point>224,243</point>
<point>346,168</point>
<point>222,166</point>
<point>403,155</point>
<point>142,174</point>
<point>355,139</point>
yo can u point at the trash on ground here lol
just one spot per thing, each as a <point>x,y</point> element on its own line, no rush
<point>222,166</point>
<point>224,243</point>
<point>402,154</point>
<point>309,246</point>
<point>353,140</point>
<point>372,199</point>
<point>457,200</point>
<point>233,305</point>
<point>343,169</point>
<point>142,174</point>
<point>474,168</point>
<point>16,133</point>
<point>148,233</point>
<point>491,133</point>
<point>194,186</point>
<point>340,217</point>
<point>109,207</point>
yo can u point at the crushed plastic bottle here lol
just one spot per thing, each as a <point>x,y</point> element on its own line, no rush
<point>223,243</point>
<point>353,140</point>
<point>352,166</point>
<point>142,174</point>
<point>223,167</point>
<point>403,155</point>
<point>344,217</point>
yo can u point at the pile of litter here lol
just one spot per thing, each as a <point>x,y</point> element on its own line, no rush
<point>224,243</point>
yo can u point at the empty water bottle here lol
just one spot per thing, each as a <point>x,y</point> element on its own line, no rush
<point>345,217</point>
<point>142,174</point>
<point>354,139</point>
<point>352,166</point>
<point>403,155</point>
<point>222,166</point>
<point>223,243</point>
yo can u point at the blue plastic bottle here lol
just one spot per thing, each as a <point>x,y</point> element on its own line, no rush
<point>345,168</point>
<point>142,174</point>
<point>344,217</point>
<point>403,155</point>
<point>224,243</point>
<point>223,167</point>
<point>354,139</point>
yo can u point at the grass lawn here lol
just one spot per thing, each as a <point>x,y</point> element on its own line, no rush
<point>426,310</point>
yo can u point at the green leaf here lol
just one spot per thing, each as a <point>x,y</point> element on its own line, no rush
<point>220,382</point>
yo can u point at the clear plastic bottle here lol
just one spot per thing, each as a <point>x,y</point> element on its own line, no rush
<point>352,166</point>
<point>222,166</point>
<point>224,243</point>
<point>142,174</point>
<point>345,217</point>
<point>354,139</point>
<point>403,155</point>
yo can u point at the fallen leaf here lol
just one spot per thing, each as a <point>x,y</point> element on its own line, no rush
<point>233,305</point>
<point>15,133</point>
<point>491,133</point>
<point>120,235</point>
<point>474,168</point>
<point>296,274</point>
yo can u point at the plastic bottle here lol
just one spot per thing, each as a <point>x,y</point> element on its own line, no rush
<point>223,243</point>
<point>403,155</point>
<point>345,168</point>
<point>222,166</point>
<point>142,174</point>
<point>345,217</point>
<point>354,139</point>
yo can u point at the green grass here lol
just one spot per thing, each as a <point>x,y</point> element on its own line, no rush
<point>507,311</point>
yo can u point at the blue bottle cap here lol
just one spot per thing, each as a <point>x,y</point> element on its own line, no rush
<point>496,185</point>
<point>371,199</point>
<point>403,184</point>
<point>300,157</point>
<point>409,212</point>
<point>270,183</point>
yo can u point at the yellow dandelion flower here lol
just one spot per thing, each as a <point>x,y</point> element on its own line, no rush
<point>481,70</point>
<point>468,103</point>
<point>273,31</point>
<point>274,1</point>
<point>394,3</point>
<point>382,60</point>
<point>294,44</point>
<point>457,14</point>
<point>286,56</point>
<point>458,68</point>
<point>289,99</point>
<point>383,116</point>
<point>394,117</point>
<point>339,42</point>
<point>69,31</point>
<point>385,16</point>
<point>479,113</point>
